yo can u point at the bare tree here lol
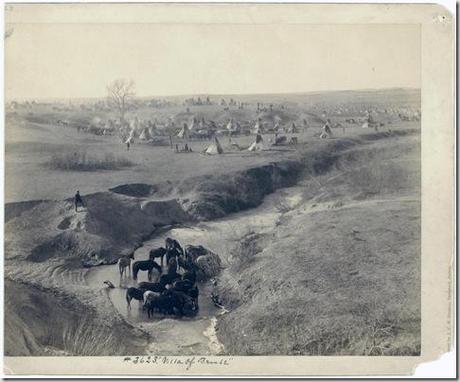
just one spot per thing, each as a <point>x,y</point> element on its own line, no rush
<point>120,94</point>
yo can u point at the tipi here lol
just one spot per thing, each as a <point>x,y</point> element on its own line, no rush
<point>130,138</point>
<point>327,132</point>
<point>145,135</point>
<point>293,128</point>
<point>257,127</point>
<point>152,130</point>
<point>214,148</point>
<point>184,132</point>
<point>231,127</point>
<point>257,145</point>
<point>192,124</point>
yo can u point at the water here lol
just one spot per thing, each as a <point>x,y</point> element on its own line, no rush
<point>191,335</point>
<point>172,335</point>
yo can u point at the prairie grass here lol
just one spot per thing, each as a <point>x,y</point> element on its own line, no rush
<point>88,338</point>
<point>343,280</point>
<point>81,161</point>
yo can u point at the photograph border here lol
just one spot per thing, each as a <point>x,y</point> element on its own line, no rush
<point>438,155</point>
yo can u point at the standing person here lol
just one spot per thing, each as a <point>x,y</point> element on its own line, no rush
<point>78,200</point>
<point>127,145</point>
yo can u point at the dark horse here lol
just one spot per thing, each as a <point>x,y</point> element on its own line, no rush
<point>186,263</point>
<point>172,243</point>
<point>172,253</point>
<point>173,247</point>
<point>154,287</point>
<point>145,265</point>
<point>169,278</point>
<point>134,293</point>
<point>172,265</point>
<point>158,252</point>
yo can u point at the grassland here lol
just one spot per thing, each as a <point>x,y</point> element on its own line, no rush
<point>339,274</point>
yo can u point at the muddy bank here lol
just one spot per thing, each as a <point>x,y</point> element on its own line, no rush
<point>117,222</point>
<point>40,321</point>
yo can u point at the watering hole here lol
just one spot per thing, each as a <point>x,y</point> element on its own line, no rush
<point>190,335</point>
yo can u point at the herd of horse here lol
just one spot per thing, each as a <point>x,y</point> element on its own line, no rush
<point>172,292</point>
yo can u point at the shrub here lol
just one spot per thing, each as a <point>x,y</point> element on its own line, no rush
<point>80,161</point>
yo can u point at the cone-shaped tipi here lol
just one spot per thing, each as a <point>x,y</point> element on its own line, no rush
<point>214,148</point>
<point>184,132</point>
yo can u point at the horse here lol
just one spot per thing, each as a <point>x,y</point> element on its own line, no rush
<point>194,293</point>
<point>180,301</point>
<point>172,265</point>
<point>172,253</point>
<point>161,303</point>
<point>154,287</point>
<point>169,278</point>
<point>171,244</point>
<point>182,285</point>
<point>134,293</point>
<point>158,252</point>
<point>149,296</point>
<point>173,249</point>
<point>145,265</point>
<point>187,287</point>
<point>125,262</point>
<point>186,263</point>
<point>190,276</point>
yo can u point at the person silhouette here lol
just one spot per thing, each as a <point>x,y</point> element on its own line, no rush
<point>78,200</point>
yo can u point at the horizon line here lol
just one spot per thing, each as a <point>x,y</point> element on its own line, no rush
<point>312,92</point>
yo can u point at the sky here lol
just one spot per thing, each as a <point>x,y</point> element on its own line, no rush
<point>59,60</point>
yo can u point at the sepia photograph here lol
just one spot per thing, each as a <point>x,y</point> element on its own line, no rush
<point>187,188</point>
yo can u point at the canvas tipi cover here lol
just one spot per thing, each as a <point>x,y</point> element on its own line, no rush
<point>130,138</point>
<point>184,132</point>
<point>231,127</point>
<point>145,135</point>
<point>293,128</point>
<point>152,131</point>
<point>192,124</point>
<point>257,145</point>
<point>257,128</point>
<point>214,148</point>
